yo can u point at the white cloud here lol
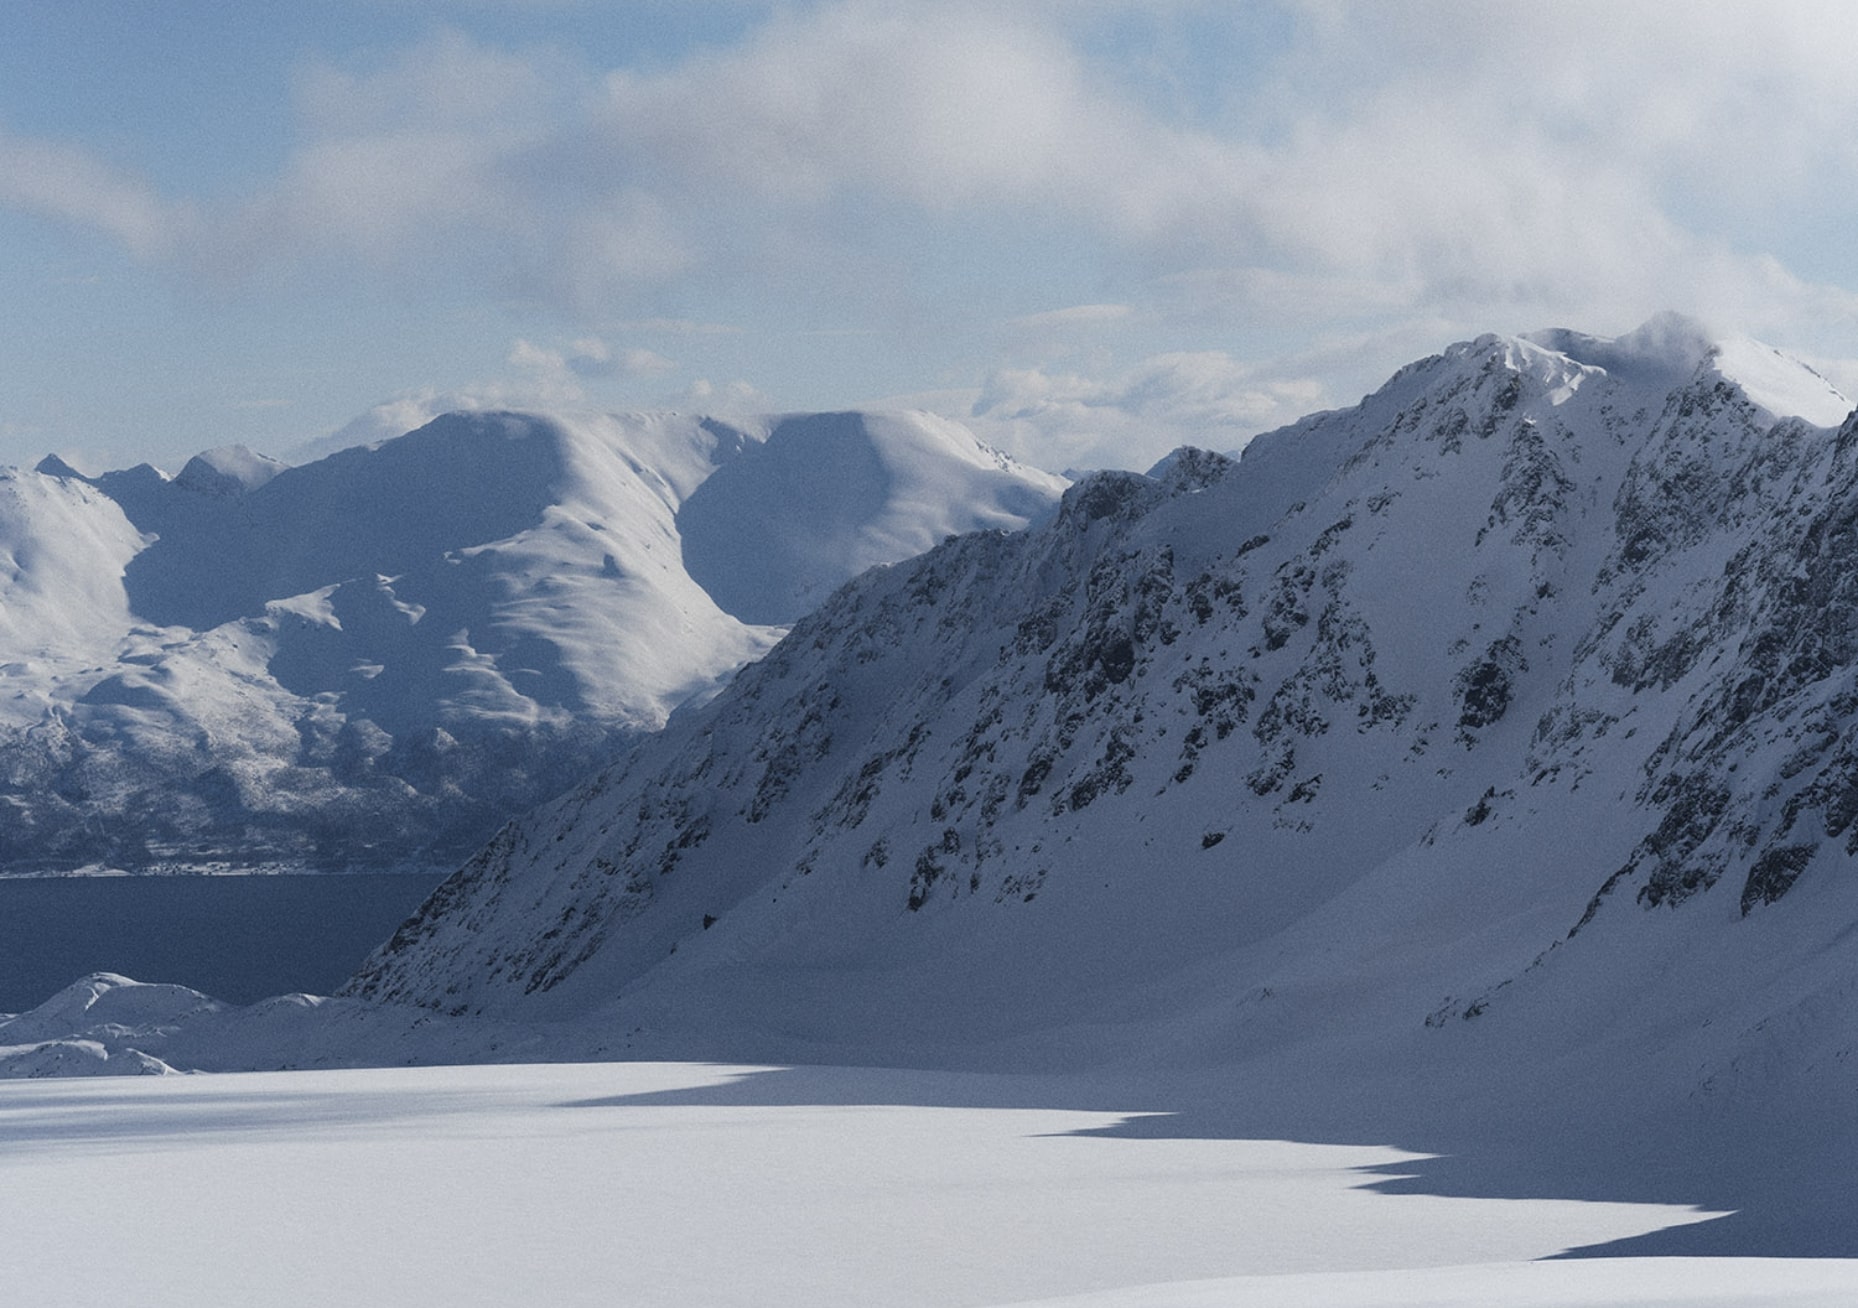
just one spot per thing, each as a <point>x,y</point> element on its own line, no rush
<point>592,357</point>
<point>676,327</point>
<point>1077,315</point>
<point>1610,159</point>
<point>554,374</point>
<point>65,183</point>
<point>739,399</point>
<point>945,106</point>
<point>1128,420</point>
<point>388,419</point>
<point>547,373</point>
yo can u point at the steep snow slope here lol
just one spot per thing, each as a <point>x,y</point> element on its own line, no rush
<point>829,495</point>
<point>63,547</point>
<point>377,656</point>
<point>1506,717</point>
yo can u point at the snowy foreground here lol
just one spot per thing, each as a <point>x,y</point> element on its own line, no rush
<point>655,1183</point>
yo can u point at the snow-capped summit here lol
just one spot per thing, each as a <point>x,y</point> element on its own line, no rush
<point>53,466</point>
<point>378,655</point>
<point>1670,349</point>
<point>1667,348</point>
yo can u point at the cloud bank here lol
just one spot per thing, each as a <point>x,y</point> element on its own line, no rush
<point>1364,174</point>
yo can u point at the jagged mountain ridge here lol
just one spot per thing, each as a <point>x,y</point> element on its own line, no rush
<point>1518,687</point>
<point>375,657</point>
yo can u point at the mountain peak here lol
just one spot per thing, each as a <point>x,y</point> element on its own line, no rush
<point>228,470</point>
<point>1780,383</point>
<point>1669,348</point>
<point>53,466</point>
<point>1191,467</point>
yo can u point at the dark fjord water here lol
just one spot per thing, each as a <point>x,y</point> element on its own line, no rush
<point>238,938</point>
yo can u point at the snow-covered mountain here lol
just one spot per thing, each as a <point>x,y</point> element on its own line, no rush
<point>1512,711</point>
<point>376,657</point>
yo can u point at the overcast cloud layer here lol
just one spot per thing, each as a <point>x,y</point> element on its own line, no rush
<point>1094,231</point>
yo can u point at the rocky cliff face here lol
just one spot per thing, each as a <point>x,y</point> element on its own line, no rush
<point>375,658</point>
<point>1524,683</point>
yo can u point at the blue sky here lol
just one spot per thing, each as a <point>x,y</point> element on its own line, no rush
<point>1090,230</point>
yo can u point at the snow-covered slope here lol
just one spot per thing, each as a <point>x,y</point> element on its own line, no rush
<point>1511,712</point>
<point>63,547</point>
<point>378,656</point>
<point>828,495</point>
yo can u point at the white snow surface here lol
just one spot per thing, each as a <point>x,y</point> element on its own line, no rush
<point>374,658</point>
<point>678,1184</point>
<point>1783,386</point>
<point>63,547</point>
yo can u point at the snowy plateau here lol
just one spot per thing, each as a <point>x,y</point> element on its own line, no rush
<point>1351,873</point>
<point>370,661</point>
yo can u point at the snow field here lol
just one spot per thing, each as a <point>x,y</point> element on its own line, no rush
<point>647,1184</point>
<point>1600,1283</point>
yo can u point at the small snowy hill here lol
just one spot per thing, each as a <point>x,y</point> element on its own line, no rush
<point>377,656</point>
<point>1509,716</point>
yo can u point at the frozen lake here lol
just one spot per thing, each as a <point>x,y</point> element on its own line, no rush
<point>238,938</point>
<point>673,1184</point>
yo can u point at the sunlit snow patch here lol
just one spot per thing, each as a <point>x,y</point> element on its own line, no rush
<point>656,1184</point>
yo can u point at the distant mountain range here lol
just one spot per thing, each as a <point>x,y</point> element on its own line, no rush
<point>374,659</point>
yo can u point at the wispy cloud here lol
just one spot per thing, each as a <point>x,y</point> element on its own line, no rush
<point>1130,418</point>
<point>556,372</point>
<point>725,399</point>
<point>66,183</point>
<point>674,327</point>
<point>1078,315</point>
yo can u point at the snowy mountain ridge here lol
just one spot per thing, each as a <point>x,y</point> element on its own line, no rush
<point>370,659</point>
<point>1521,686</point>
